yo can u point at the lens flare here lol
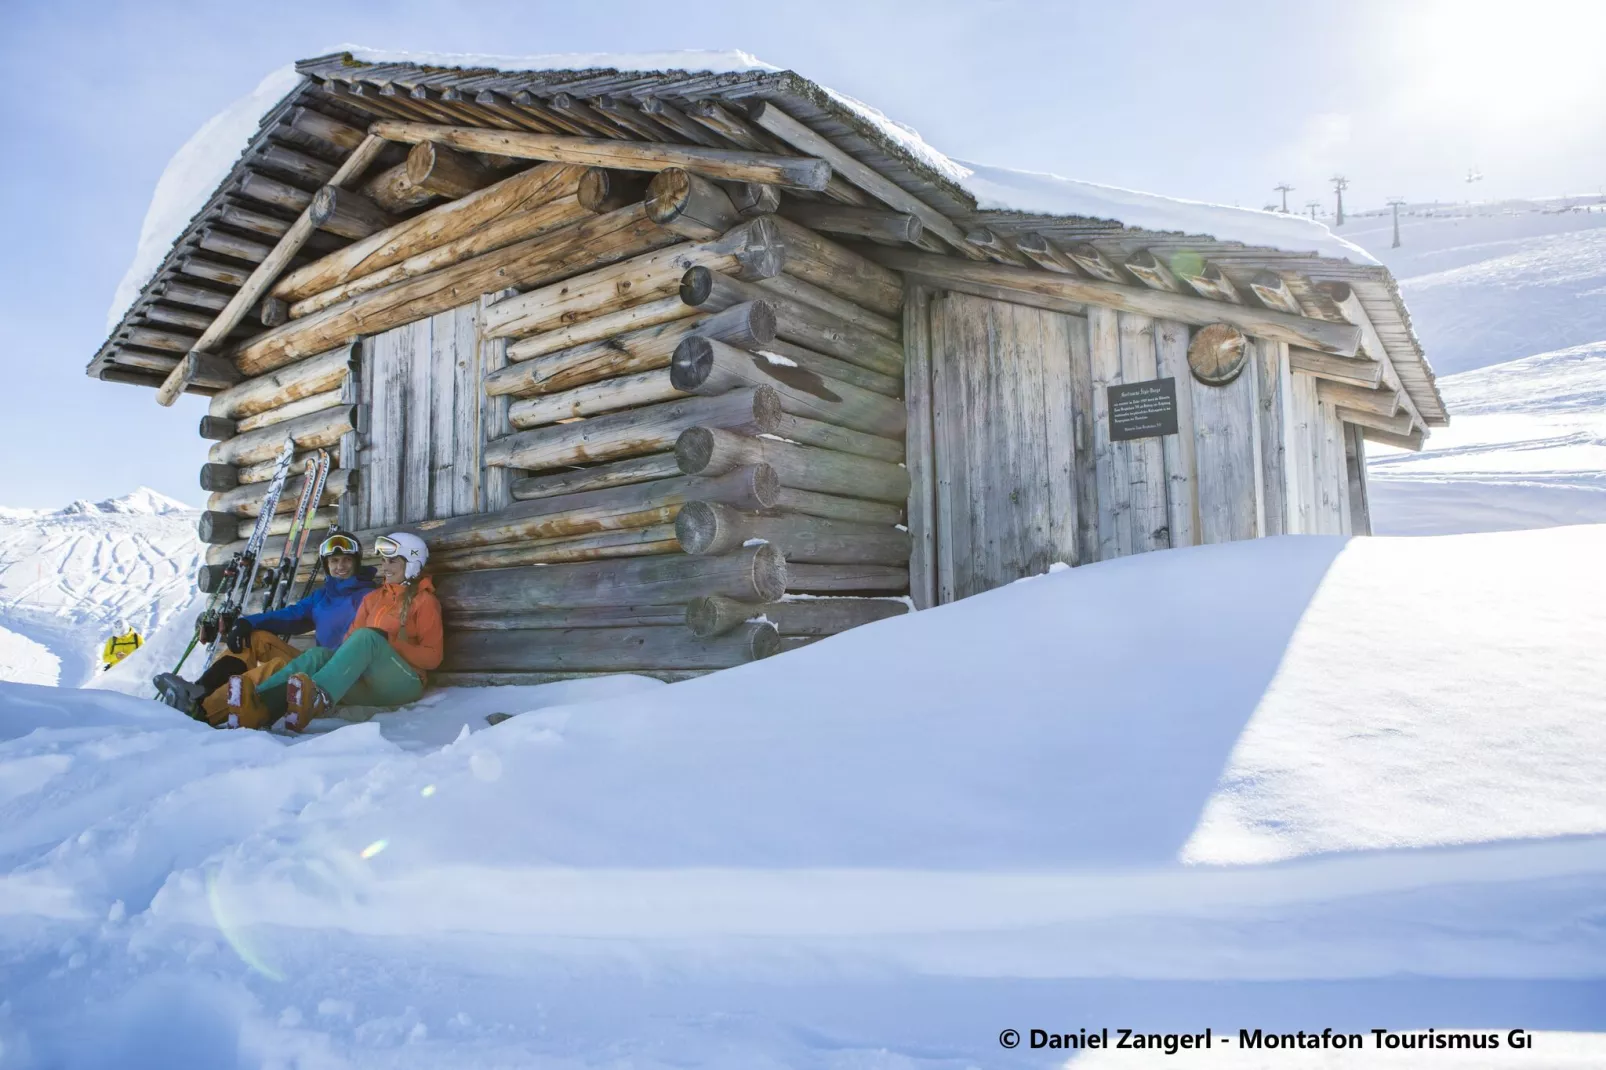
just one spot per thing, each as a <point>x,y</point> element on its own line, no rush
<point>374,848</point>
<point>234,932</point>
<point>429,789</point>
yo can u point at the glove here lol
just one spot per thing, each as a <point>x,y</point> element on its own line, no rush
<point>238,636</point>
<point>206,629</point>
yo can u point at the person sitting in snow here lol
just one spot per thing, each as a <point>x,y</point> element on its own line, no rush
<point>395,639</point>
<point>256,647</point>
<point>124,641</point>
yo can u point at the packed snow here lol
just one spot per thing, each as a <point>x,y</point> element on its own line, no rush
<point>67,577</point>
<point>1050,805</point>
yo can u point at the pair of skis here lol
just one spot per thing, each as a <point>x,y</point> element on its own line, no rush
<point>223,608</point>
<point>283,578</point>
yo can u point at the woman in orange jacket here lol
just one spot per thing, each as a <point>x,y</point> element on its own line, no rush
<point>395,639</point>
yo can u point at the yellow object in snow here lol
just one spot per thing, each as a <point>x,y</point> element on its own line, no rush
<point>119,647</point>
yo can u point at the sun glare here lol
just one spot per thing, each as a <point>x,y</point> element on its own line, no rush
<point>1501,62</point>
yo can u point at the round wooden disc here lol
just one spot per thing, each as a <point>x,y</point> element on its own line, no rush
<point>1217,354</point>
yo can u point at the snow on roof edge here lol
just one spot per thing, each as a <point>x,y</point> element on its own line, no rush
<point>1037,193</point>
<point>202,163</point>
<point>189,180</point>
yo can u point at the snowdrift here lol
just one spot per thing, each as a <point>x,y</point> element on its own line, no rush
<point>1359,783</point>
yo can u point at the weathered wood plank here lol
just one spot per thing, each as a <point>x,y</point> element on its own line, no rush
<point>495,481</point>
<point>1114,488</point>
<point>920,446</point>
<point>1145,457</point>
<point>1182,504</point>
<point>1225,456</point>
<point>611,649</point>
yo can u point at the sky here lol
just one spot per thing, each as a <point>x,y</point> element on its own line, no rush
<point>1218,102</point>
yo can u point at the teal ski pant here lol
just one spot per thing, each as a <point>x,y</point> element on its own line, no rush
<point>365,671</point>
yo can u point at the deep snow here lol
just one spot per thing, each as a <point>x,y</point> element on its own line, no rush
<point>1153,792</point>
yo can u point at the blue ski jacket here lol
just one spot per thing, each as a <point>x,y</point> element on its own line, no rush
<point>328,611</point>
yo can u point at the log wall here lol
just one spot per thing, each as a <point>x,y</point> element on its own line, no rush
<point>583,472</point>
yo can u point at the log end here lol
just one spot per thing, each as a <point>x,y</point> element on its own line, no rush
<point>602,190</point>
<point>696,286</point>
<point>216,477</point>
<point>692,363</point>
<point>216,528</point>
<point>762,253</point>
<point>210,577</point>
<point>715,614</point>
<point>698,528</point>
<point>420,162</point>
<point>216,428</point>
<point>668,194</point>
<point>764,641</point>
<point>769,573</point>
<point>694,450</point>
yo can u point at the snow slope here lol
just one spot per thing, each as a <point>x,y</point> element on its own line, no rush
<point>1152,792</point>
<point>67,577</point>
<point>1485,284</point>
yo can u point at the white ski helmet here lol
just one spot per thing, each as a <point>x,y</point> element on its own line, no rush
<point>409,547</point>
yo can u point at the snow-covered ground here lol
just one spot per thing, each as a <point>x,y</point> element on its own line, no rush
<point>1488,285</point>
<point>1151,793</point>
<point>67,577</point>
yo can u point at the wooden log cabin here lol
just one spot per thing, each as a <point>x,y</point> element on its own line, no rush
<point>674,370</point>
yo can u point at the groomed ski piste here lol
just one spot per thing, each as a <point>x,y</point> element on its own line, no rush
<point>1288,784</point>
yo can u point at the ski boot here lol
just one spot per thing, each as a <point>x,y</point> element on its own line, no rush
<point>180,694</point>
<point>307,702</point>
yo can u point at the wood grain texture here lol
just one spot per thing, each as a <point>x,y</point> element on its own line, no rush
<point>922,502</point>
<point>1226,459</point>
<point>1182,502</point>
<point>1144,458</point>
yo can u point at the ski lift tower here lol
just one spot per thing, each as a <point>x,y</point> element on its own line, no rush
<point>1284,190</point>
<point>1312,207</point>
<point>1340,184</point>
<point>1394,203</point>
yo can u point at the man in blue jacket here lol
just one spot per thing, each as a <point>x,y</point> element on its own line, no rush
<point>255,643</point>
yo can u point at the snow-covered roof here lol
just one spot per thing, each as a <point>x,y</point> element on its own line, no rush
<point>969,194</point>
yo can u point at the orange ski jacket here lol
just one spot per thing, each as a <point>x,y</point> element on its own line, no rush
<point>421,646</point>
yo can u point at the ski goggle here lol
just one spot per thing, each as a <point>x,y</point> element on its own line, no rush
<point>339,544</point>
<point>385,546</point>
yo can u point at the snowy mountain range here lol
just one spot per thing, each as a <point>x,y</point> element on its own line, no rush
<point>68,577</point>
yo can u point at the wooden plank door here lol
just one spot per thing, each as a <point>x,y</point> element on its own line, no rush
<point>1003,442</point>
<point>422,458</point>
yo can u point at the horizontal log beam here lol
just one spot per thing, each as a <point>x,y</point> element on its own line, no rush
<point>522,192</point>
<point>1333,338</point>
<point>712,528</point>
<point>314,375</point>
<point>293,410</point>
<point>247,500</point>
<point>752,250</point>
<point>872,223</point>
<point>600,328</point>
<point>734,164</point>
<point>753,574</point>
<point>837,269</point>
<point>715,615</point>
<point>313,431</point>
<point>1384,402</point>
<point>1366,374</point>
<point>709,367</point>
<point>837,507</point>
<point>831,579</point>
<point>831,437</point>
<point>607,649</point>
<point>1349,306</point>
<point>1400,424</point>
<point>806,293</point>
<point>587,546</point>
<point>801,324</point>
<point>713,451</point>
<point>637,505</point>
<point>747,326</point>
<point>588,617</point>
<point>536,261</point>
<point>597,476</point>
<point>1412,441</point>
<point>605,395</point>
<point>651,429</point>
<point>446,172</point>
